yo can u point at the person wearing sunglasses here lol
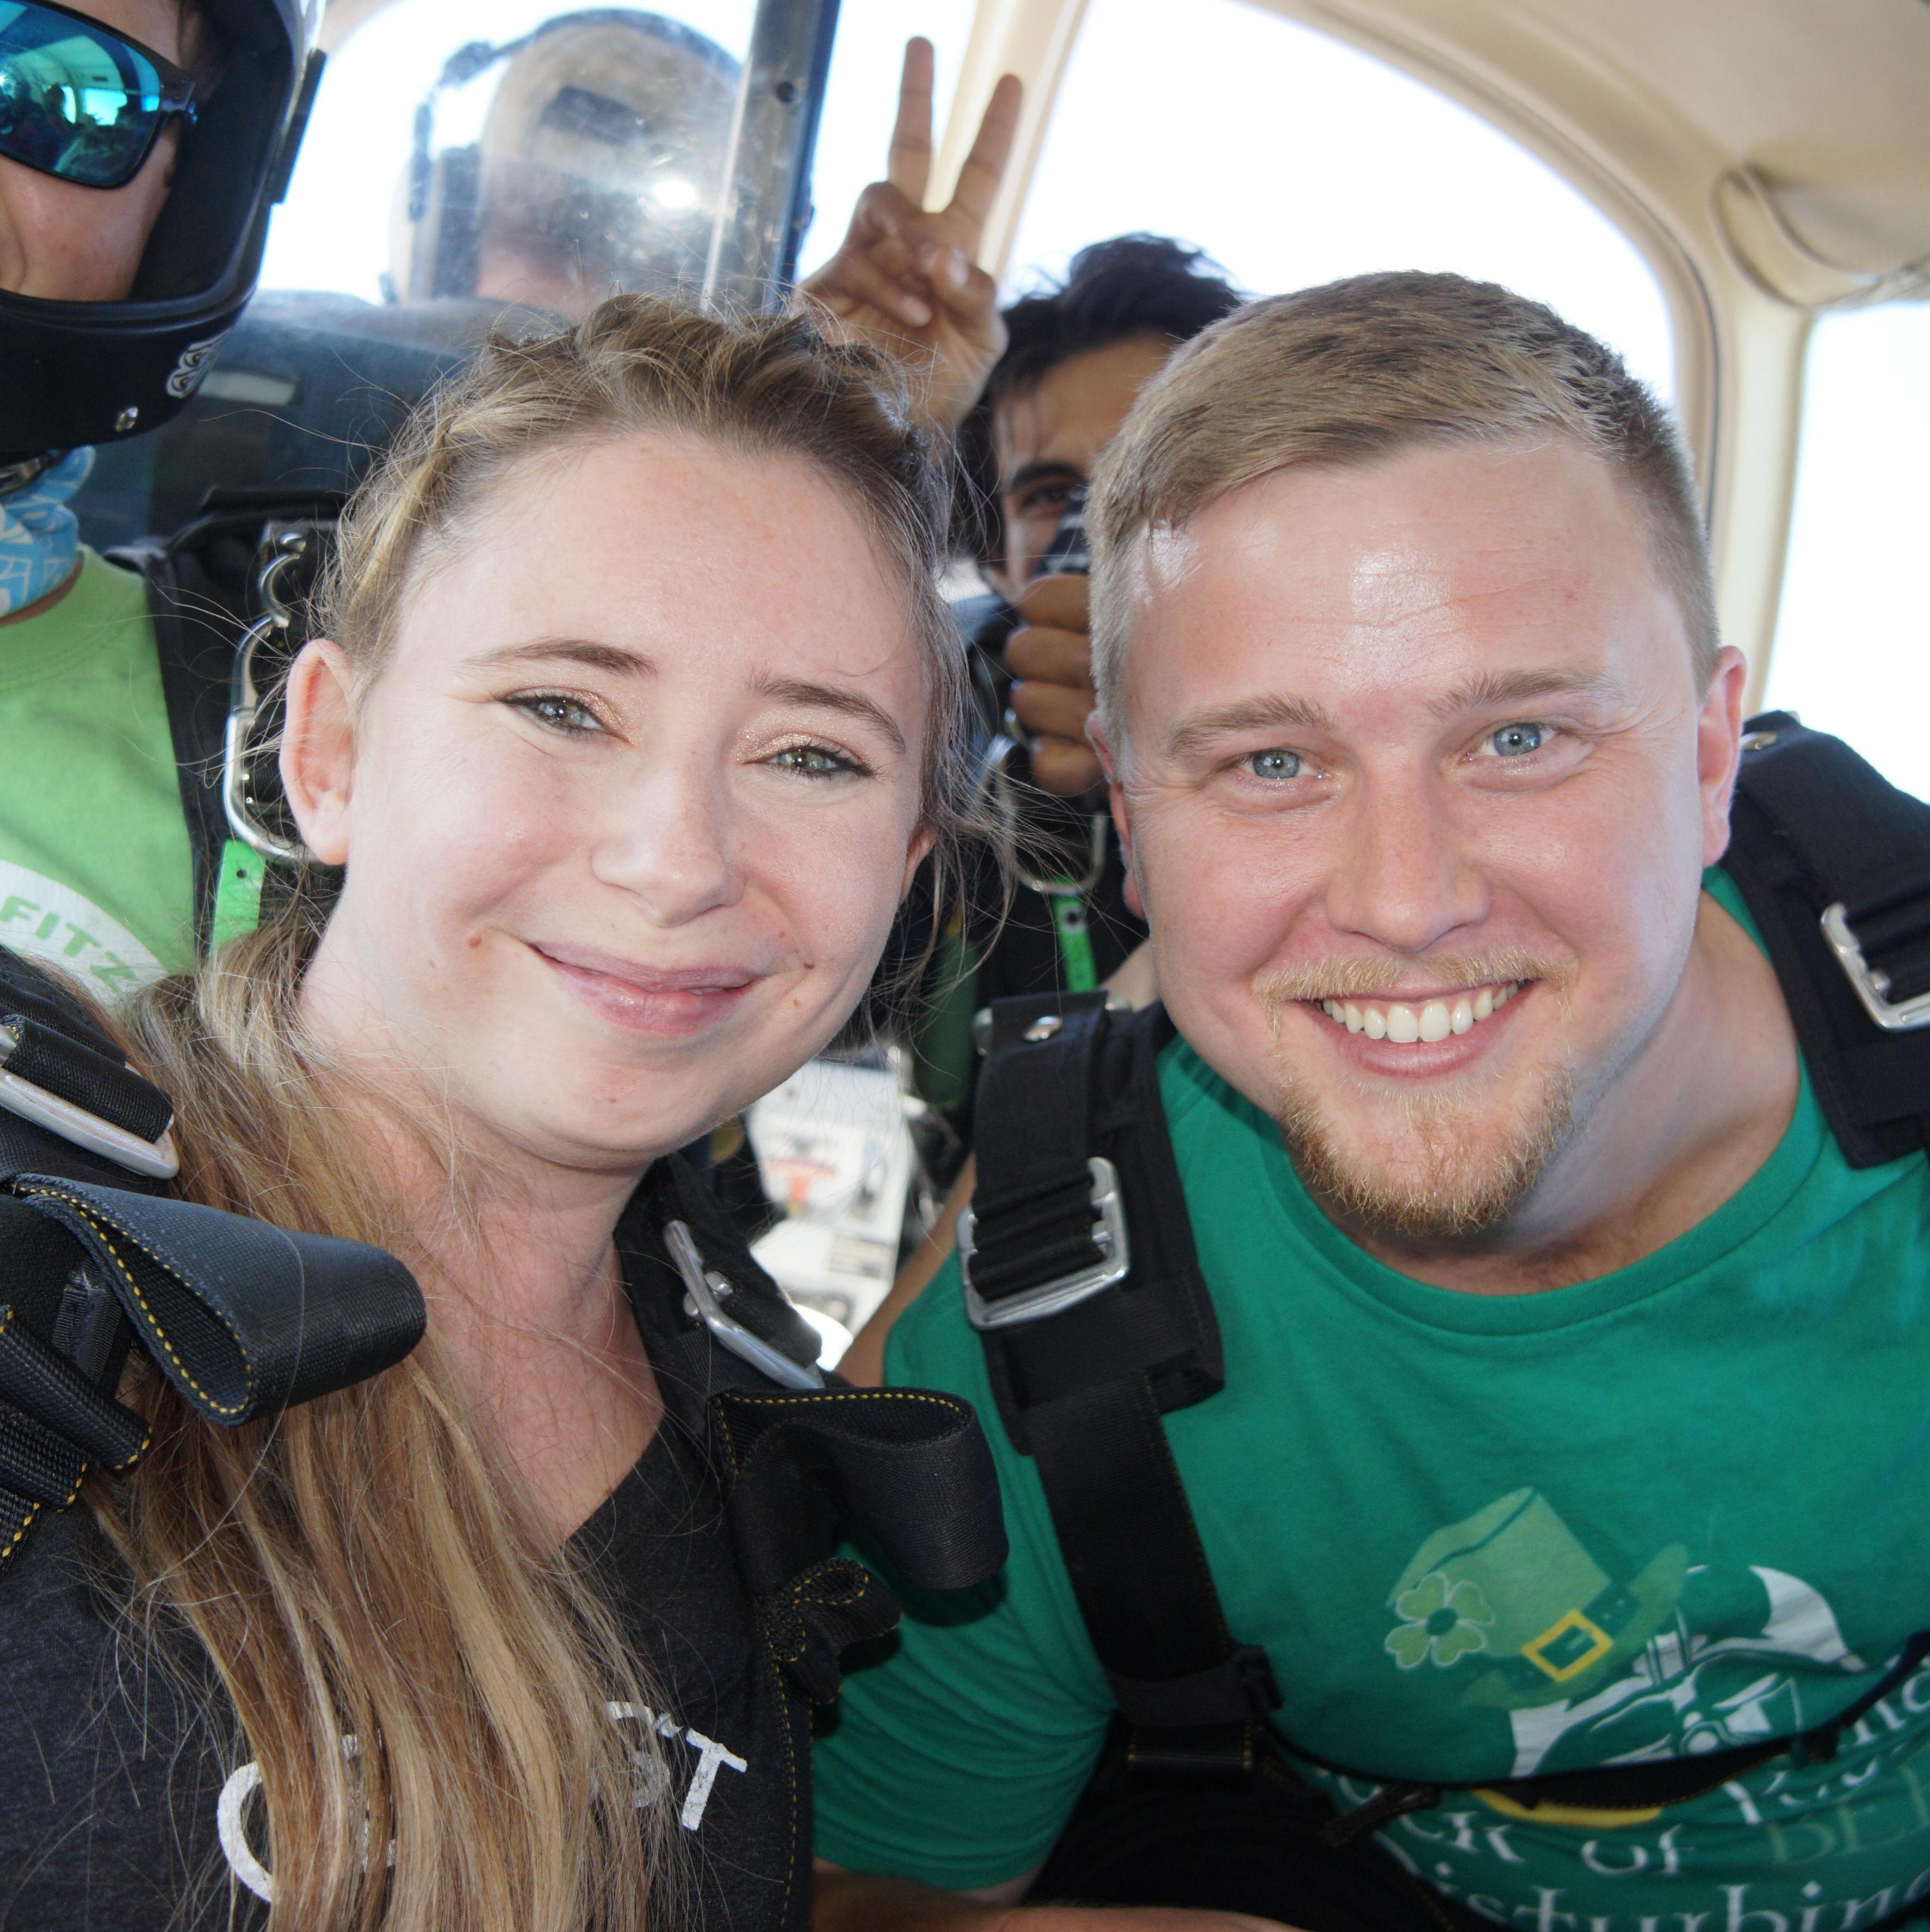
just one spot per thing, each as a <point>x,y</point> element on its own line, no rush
<point>143,143</point>
<point>90,120</point>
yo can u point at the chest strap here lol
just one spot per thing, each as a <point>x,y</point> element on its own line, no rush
<point>1081,1279</point>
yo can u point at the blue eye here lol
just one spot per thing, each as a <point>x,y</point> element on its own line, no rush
<point>570,715</point>
<point>1516,741</point>
<point>1273,764</point>
<point>813,761</point>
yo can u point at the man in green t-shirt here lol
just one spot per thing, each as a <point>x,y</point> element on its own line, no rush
<point>142,143</point>
<point>1577,1398</point>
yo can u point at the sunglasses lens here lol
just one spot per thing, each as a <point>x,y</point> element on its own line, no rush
<point>75,100</point>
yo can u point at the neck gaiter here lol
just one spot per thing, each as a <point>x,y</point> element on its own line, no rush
<point>39,536</point>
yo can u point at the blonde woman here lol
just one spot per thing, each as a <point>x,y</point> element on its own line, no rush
<point>632,714</point>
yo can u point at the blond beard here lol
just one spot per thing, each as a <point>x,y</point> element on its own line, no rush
<point>1450,1171</point>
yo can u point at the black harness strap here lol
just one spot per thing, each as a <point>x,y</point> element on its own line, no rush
<point>1834,864</point>
<point>195,646</point>
<point>1092,1332</point>
<point>1814,828</point>
<point>201,596</point>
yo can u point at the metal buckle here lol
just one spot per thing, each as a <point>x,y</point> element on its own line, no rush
<point>1872,986</point>
<point>708,1291</point>
<point>1051,1298</point>
<point>157,1160</point>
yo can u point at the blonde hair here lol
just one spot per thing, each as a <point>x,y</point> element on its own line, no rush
<point>1359,369</point>
<point>365,1567</point>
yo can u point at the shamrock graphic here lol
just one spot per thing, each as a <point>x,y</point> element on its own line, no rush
<point>1444,1622</point>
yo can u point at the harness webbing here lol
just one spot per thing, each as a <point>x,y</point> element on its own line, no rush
<point>1082,1390</point>
<point>1083,1375</point>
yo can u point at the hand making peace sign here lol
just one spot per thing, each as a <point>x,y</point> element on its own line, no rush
<point>905,279</point>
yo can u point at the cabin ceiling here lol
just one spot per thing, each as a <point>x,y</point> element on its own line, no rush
<point>1826,103</point>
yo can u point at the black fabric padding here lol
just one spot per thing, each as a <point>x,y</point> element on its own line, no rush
<point>243,1319</point>
<point>1113,1336</point>
<point>910,1466</point>
<point>100,1083</point>
<point>38,1258</point>
<point>1813,824</point>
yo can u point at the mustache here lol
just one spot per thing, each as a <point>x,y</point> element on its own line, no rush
<point>1367,979</point>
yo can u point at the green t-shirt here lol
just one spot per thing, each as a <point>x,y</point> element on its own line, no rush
<point>1679,1508</point>
<point>95,874</point>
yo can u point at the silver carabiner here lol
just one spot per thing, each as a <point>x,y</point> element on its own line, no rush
<point>290,546</point>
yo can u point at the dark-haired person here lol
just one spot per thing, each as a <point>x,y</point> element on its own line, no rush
<point>1059,371</point>
<point>1033,394</point>
<point>139,143</point>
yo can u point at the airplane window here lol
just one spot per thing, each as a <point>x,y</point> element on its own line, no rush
<point>1853,638</point>
<point>860,96</point>
<point>1293,159</point>
<point>513,150</point>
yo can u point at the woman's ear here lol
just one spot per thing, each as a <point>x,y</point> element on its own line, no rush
<point>923,840</point>
<point>318,748</point>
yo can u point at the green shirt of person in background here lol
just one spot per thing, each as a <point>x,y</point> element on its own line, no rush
<point>96,875</point>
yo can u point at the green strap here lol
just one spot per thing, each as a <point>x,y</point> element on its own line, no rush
<point>1075,944</point>
<point>238,893</point>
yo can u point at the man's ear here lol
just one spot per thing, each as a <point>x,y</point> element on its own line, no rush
<point>1719,752</point>
<point>318,748</point>
<point>1122,811</point>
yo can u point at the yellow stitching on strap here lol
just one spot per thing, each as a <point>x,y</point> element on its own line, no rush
<point>26,1524</point>
<point>100,1225</point>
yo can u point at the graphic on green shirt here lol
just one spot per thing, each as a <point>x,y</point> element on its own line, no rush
<point>1638,1674</point>
<point>44,919</point>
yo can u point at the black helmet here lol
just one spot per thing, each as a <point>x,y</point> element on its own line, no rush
<point>74,373</point>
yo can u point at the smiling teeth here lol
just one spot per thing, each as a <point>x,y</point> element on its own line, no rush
<point>1433,1021</point>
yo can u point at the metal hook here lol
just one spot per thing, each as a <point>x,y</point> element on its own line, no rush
<point>288,546</point>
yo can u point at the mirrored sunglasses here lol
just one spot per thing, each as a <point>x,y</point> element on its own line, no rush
<point>77,100</point>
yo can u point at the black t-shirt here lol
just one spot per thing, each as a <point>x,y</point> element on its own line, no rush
<point>123,1808</point>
